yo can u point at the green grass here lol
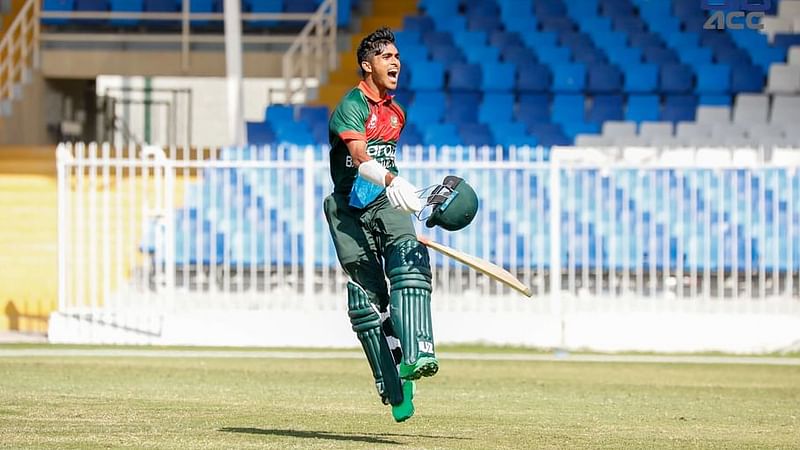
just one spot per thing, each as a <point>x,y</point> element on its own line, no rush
<point>93,402</point>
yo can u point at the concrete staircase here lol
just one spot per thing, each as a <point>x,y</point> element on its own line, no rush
<point>388,13</point>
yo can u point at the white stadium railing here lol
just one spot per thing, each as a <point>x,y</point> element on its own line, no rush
<point>146,234</point>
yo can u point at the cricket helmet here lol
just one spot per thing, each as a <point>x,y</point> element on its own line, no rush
<point>453,204</point>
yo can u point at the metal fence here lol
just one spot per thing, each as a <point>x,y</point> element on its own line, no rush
<point>141,228</point>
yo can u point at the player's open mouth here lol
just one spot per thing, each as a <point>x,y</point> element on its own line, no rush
<point>393,74</point>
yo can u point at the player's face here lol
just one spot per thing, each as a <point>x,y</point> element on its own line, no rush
<point>386,68</point>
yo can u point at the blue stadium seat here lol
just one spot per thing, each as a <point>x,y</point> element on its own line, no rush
<point>609,40</point>
<point>642,108</point>
<point>476,134</point>
<point>480,55</point>
<point>731,55</point>
<point>57,6</point>
<point>447,55</point>
<point>534,78</point>
<point>126,6</point>
<point>680,41</point>
<point>594,23</point>
<point>279,113</point>
<point>511,134</point>
<point>505,40</point>
<point>441,134</point>
<point>259,133</point>
<point>450,23</point>
<point>427,76</point>
<point>695,56</point>
<point>498,76</point>
<point>496,107</point>
<point>262,6</point>
<point>484,23</point>
<point>659,55</point>
<point>629,24</point>
<point>300,6</point>
<point>557,24</point>
<point>678,108</point>
<point>568,108</point>
<point>747,79</point>
<point>465,77</point>
<point>553,8</point>
<point>786,40</point>
<point>414,54</point>
<point>552,55</point>
<point>644,40</point>
<point>641,78</point>
<point>419,24</point>
<point>95,5</point>
<point>432,38</point>
<point>624,57</point>
<point>313,115</point>
<point>549,134</point>
<point>604,78</point>
<point>410,136</point>
<point>589,56</point>
<point>427,107</point>
<point>676,79</point>
<point>715,100</point>
<point>466,39</point>
<point>713,79</point>
<point>518,55</point>
<point>605,108</point>
<point>533,108</point>
<point>520,24</point>
<point>536,39</point>
<point>343,8</point>
<point>568,78</point>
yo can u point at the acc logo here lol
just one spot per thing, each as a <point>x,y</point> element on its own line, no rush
<point>731,13</point>
<point>394,122</point>
<point>373,121</point>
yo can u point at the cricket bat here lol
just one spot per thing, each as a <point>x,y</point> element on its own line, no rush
<point>491,270</point>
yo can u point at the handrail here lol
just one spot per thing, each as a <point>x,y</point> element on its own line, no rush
<point>317,41</point>
<point>19,49</point>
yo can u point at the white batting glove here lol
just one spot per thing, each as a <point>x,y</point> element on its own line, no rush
<point>403,195</point>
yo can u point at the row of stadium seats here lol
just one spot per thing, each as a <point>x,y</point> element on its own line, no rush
<point>693,206</point>
<point>196,6</point>
<point>543,72</point>
<point>756,120</point>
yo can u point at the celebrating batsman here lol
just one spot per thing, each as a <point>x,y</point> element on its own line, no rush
<point>369,215</point>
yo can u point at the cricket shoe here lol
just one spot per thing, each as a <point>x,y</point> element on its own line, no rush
<point>405,410</point>
<point>425,366</point>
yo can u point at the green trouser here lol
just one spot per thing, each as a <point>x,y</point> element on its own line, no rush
<point>363,239</point>
<point>380,240</point>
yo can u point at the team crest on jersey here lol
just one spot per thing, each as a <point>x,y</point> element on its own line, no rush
<point>373,121</point>
<point>394,122</point>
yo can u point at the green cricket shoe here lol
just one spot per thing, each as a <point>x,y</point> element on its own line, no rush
<point>426,366</point>
<point>405,410</point>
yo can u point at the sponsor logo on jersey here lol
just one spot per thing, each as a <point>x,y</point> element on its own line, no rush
<point>394,122</point>
<point>373,121</point>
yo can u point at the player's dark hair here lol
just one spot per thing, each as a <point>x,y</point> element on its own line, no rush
<point>373,45</point>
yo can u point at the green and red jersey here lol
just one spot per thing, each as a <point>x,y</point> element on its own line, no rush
<point>363,115</point>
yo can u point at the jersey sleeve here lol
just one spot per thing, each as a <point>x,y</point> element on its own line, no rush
<point>347,121</point>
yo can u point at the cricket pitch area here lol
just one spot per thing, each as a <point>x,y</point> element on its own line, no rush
<point>142,397</point>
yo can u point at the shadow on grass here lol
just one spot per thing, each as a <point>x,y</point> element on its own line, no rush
<point>313,435</point>
<point>372,438</point>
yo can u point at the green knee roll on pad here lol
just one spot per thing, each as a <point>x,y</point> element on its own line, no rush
<point>366,322</point>
<point>409,273</point>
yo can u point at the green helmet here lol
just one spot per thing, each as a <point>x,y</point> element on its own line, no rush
<point>454,204</point>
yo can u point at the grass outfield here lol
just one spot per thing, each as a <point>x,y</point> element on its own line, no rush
<point>145,402</point>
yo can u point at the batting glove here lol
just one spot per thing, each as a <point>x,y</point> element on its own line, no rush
<point>403,195</point>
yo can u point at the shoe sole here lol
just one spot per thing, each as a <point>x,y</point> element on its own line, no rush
<point>428,369</point>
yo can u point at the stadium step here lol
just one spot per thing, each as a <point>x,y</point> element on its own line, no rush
<point>384,13</point>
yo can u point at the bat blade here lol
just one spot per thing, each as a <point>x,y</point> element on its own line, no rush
<point>487,268</point>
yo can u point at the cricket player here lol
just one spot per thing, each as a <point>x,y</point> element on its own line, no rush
<point>370,218</point>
